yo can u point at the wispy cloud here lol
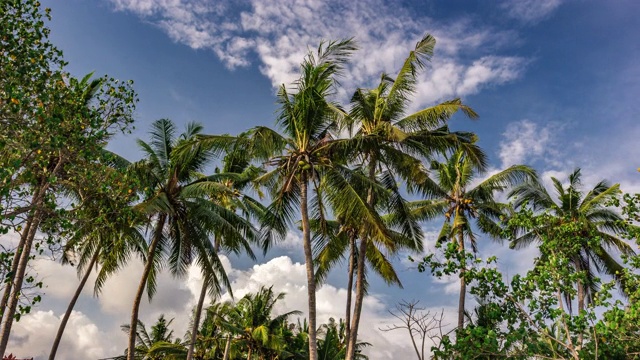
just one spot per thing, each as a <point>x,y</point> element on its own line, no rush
<point>279,32</point>
<point>525,141</point>
<point>530,11</point>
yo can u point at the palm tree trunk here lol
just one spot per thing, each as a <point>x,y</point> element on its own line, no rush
<point>352,260</point>
<point>157,235</point>
<point>463,284</point>
<point>196,320</point>
<point>581,296</point>
<point>308,256</point>
<point>249,353</point>
<point>227,348</point>
<point>16,288</point>
<point>357,311</point>
<point>72,304</point>
<point>353,336</point>
<point>198,314</point>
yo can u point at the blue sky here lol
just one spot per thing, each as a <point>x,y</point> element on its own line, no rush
<point>555,83</point>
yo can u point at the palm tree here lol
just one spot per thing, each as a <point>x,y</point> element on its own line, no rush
<point>236,174</point>
<point>452,196</point>
<point>107,236</point>
<point>177,198</point>
<point>594,220</point>
<point>387,139</point>
<point>302,157</point>
<point>157,344</point>
<point>257,331</point>
<point>213,340</point>
<point>334,345</point>
<point>334,239</point>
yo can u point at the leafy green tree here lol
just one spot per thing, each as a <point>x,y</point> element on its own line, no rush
<point>595,226</point>
<point>454,195</point>
<point>53,129</point>
<point>178,199</point>
<point>526,317</point>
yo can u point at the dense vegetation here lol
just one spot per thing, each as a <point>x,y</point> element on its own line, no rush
<point>339,173</point>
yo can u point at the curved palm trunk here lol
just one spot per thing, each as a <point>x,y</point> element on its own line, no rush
<point>353,334</point>
<point>198,314</point>
<point>352,260</point>
<point>463,284</point>
<point>353,337</point>
<point>157,234</point>
<point>72,304</point>
<point>227,348</point>
<point>196,320</point>
<point>308,256</point>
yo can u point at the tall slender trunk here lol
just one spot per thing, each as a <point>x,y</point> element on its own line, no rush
<point>357,311</point>
<point>581,296</point>
<point>227,348</point>
<point>14,298</point>
<point>14,267</point>
<point>249,353</point>
<point>463,284</point>
<point>355,323</point>
<point>16,259</point>
<point>157,234</point>
<point>198,314</point>
<point>352,260</point>
<point>308,257</point>
<point>196,320</point>
<point>72,304</point>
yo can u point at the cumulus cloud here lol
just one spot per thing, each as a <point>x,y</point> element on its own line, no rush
<point>33,336</point>
<point>530,11</point>
<point>96,338</point>
<point>278,33</point>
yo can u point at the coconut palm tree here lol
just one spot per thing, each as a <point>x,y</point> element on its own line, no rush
<point>593,220</point>
<point>334,239</point>
<point>237,174</point>
<point>301,158</point>
<point>177,197</point>
<point>385,138</point>
<point>258,332</point>
<point>455,196</point>
<point>105,238</point>
<point>157,344</point>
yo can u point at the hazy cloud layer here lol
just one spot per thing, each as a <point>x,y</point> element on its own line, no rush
<point>530,11</point>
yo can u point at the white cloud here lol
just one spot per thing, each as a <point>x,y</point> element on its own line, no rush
<point>87,338</point>
<point>279,32</point>
<point>525,141</point>
<point>33,336</point>
<point>530,11</point>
